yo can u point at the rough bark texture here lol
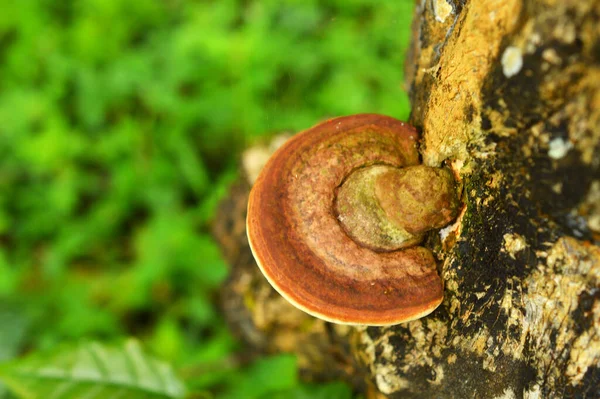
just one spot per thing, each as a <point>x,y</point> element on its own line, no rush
<point>507,93</point>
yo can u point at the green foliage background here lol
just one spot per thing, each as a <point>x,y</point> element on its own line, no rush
<point>121,123</point>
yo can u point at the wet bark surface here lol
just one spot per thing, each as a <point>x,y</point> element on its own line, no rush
<point>507,94</point>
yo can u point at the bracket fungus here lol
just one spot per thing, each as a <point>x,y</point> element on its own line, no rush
<point>337,213</point>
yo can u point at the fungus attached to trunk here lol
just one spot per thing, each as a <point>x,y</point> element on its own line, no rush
<point>335,217</point>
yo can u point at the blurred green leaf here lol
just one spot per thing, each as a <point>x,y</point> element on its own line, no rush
<point>92,369</point>
<point>334,390</point>
<point>8,278</point>
<point>264,377</point>
<point>13,329</point>
<point>12,334</point>
<point>167,339</point>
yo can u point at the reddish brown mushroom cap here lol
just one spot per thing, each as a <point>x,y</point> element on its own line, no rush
<point>303,250</point>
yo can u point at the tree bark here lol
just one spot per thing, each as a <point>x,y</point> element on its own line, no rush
<point>506,93</point>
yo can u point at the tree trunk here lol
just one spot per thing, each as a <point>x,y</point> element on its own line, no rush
<point>507,93</point>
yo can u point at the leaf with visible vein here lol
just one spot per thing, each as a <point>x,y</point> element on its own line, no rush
<point>93,371</point>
